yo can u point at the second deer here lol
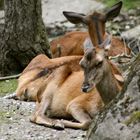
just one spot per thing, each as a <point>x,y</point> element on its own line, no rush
<point>72,43</point>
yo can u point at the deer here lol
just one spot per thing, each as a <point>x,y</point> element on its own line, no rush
<point>62,92</point>
<point>72,43</point>
<point>95,37</point>
<point>61,97</point>
<point>59,94</point>
<point>36,72</point>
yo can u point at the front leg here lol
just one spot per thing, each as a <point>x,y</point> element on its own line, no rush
<point>39,116</point>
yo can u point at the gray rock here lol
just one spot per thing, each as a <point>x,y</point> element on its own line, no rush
<point>52,9</point>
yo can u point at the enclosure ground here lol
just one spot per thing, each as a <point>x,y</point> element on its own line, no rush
<point>15,124</point>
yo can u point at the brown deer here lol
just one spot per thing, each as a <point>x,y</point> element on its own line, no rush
<point>72,43</point>
<point>36,72</point>
<point>28,83</point>
<point>60,96</point>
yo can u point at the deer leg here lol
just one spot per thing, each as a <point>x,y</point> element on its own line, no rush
<point>39,116</point>
<point>78,114</point>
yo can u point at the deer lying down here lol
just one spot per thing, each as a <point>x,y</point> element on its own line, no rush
<point>72,43</point>
<point>60,96</point>
<point>72,47</point>
<point>33,75</point>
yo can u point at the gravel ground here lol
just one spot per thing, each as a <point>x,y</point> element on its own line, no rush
<point>15,124</point>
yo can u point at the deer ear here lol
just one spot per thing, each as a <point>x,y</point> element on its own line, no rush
<point>75,18</point>
<point>119,78</point>
<point>87,44</point>
<point>113,11</point>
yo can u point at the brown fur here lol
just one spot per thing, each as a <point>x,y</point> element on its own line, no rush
<point>61,96</point>
<point>32,77</point>
<point>72,43</point>
<point>58,93</point>
<point>98,71</point>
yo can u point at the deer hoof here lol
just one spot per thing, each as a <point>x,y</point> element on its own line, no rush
<point>32,118</point>
<point>59,125</point>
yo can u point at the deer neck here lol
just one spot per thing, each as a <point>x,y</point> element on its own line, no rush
<point>108,86</point>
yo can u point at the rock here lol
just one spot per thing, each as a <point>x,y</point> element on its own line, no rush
<point>1,16</point>
<point>2,21</point>
<point>52,9</point>
<point>132,33</point>
<point>132,38</point>
<point>132,12</point>
<point>55,21</point>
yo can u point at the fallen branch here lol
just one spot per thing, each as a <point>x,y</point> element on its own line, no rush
<point>10,96</point>
<point>10,77</point>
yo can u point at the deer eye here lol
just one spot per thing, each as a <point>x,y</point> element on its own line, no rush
<point>99,64</point>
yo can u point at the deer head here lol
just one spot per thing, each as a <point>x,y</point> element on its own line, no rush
<point>95,65</point>
<point>95,22</point>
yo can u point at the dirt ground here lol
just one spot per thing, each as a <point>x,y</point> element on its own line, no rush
<point>15,124</point>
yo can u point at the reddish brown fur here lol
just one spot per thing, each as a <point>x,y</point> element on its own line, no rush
<point>30,75</point>
<point>58,92</point>
<point>72,44</point>
<point>61,97</point>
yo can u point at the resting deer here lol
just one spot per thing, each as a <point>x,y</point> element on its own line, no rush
<point>32,77</point>
<point>72,43</point>
<point>60,96</point>
<point>28,86</point>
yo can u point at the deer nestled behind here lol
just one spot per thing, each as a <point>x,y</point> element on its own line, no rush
<point>58,84</point>
<point>72,43</point>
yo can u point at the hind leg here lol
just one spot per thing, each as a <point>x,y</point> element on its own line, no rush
<point>79,114</point>
<point>39,116</point>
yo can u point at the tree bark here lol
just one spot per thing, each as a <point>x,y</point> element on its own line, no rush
<point>24,35</point>
<point>120,120</point>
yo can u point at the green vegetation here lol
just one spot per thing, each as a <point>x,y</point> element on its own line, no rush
<point>8,86</point>
<point>133,118</point>
<point>4,116</point>
<point>1,4</point>
<point>127,4</point>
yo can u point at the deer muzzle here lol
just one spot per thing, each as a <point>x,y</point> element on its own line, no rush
<point>87,87</point>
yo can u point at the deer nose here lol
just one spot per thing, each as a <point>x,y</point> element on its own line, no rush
<point>85,88</point>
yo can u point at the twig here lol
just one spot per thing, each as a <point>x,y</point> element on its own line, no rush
<point>10,77</point>
<point>10,96</point>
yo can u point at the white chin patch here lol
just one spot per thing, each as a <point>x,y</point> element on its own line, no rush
<point>99,58</point>
<point>91,87</point>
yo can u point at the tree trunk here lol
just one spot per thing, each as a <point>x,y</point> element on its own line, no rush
<point>120,120</point>
<point>24,35</point>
